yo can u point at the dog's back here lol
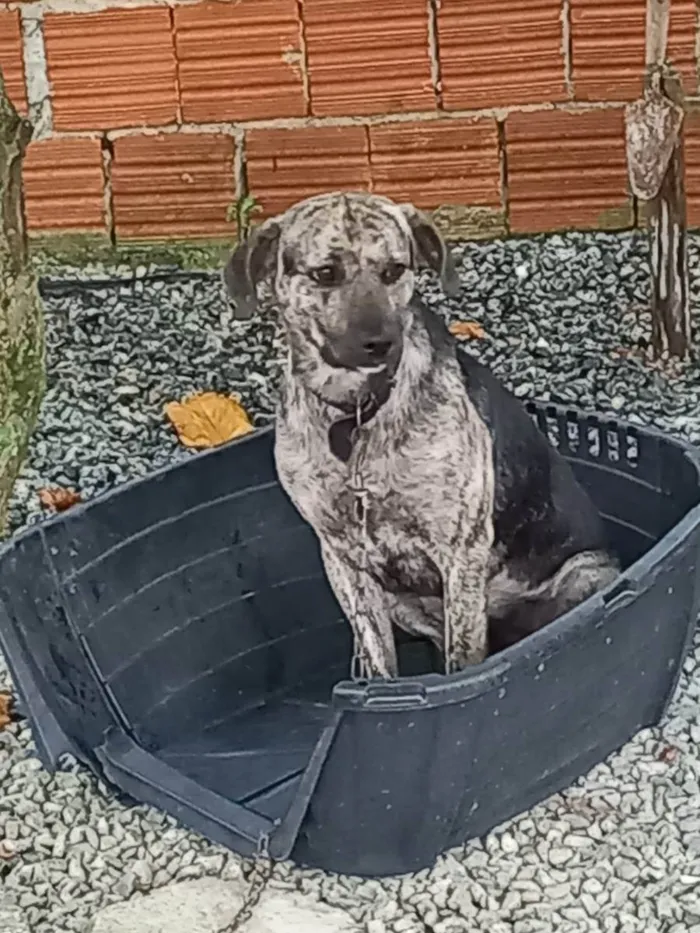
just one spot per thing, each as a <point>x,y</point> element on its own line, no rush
<point>542,515</point>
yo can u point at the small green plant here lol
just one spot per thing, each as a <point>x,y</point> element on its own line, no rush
<point>241,211</point>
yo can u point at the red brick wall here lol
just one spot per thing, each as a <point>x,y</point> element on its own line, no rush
<point>163,113</point>
<point>11,56</point>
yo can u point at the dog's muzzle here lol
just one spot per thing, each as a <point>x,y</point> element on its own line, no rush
<point>370,350</point>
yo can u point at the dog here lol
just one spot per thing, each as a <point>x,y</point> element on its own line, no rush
<point>439,505</point>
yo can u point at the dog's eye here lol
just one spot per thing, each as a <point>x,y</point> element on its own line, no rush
<point>326,276</point>
<point>392,273</point>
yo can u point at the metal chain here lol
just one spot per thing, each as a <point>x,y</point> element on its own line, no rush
<point>359,669</point>
<point>259,878</point>
<point>450,667</point>
<point>262,863</point>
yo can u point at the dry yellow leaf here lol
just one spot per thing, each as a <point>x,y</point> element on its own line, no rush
<point>5,704</point>
<point>59,499</point>
<point>208,419</point>
<point>467,330</point>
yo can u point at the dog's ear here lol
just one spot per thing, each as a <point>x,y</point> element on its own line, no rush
<point>432,251</point>
<point>250,263</point>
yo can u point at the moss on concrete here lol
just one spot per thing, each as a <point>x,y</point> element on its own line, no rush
<point>51,251</point>
<point>617,218</point>
<point>456,222</point>
<point>459,222</point>
<point>21,318</point>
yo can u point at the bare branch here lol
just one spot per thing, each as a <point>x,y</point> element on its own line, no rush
<point>658,16</point>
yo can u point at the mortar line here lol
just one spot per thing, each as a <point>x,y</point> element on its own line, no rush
<point>567,47</point>
<point>433,7</point>
<point>304,62</point>
<point>503,172</point>
<point>36,73</point>
<point>696,49</point>
<point>240,175</point>
<point>368,137</point>
<point>178,87</point>
<point>93,6</point>
<point>295,123</point>
<point>107,150</point>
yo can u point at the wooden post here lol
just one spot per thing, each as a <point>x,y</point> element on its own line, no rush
<point>654,126</point>
<point>21,319</point>
<point>670,303</point>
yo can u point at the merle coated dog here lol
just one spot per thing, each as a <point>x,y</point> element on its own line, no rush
<point>465,525</point>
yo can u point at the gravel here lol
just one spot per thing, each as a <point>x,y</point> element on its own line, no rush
<point>619,852</point>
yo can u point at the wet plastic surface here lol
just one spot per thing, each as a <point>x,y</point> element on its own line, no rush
<point>179,637</point>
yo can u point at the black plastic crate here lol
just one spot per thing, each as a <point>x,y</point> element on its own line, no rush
<point>179,637</point>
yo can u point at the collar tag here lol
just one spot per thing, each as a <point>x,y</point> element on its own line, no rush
<point>343,433</point>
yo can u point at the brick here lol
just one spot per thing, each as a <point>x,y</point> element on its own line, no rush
<point>63,185</point>
<point>239,61</point>
<point>172,185</point>
<point>111,69</point>
<point>567,170</point>
<point>368,58</point>
<point>496,53</point>
<point>437,162</point>
<point>285,166</point>
<point>692,167</point>
<point>608,47</point>
<point>11,57</point>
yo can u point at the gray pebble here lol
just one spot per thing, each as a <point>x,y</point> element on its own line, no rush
<point>126,885</point>
<point>560,855</point>
<point>143,873</point>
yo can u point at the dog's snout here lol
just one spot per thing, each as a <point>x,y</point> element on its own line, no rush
<point>377,348</point>
<point>366,332</point>
<point>365,347</point>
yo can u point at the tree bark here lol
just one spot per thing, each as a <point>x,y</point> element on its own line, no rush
<point>654,136</point>
<point>666,212</point>
<point>21,318</point>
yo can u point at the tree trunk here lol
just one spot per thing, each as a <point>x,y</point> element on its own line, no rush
<point>654,138</point>
<point>21,318</point>
<point>670,304</point>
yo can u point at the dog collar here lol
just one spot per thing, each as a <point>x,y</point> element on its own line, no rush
<point>342,433</point>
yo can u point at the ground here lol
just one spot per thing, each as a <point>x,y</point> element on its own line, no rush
<point>617,853</point>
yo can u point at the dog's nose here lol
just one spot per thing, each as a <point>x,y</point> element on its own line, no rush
<point>377,349</point>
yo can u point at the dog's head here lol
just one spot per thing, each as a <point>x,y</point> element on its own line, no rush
<point>342,267</point>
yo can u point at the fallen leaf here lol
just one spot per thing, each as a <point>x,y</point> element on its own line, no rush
<point>467,330</point>
<point>59,499</point>
<point>208,419</point>
<point>668,754</point>
<point>5,705</point>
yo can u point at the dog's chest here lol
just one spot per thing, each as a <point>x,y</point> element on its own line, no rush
<point>410,495</point>
<point>384,530</point>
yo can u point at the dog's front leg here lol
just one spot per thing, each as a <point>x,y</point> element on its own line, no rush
<point>464,595</point>
<point>364,603</point>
